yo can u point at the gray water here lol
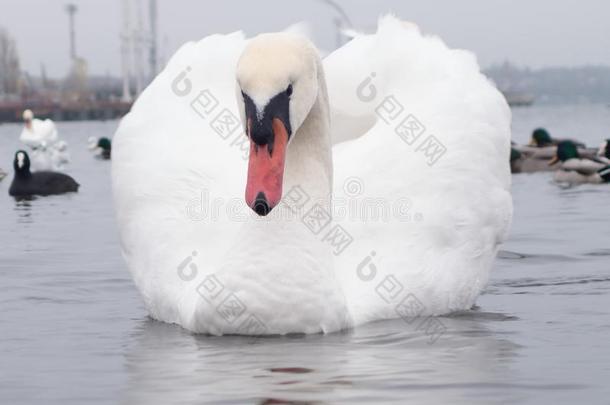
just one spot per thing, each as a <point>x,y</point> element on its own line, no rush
<point>73,329</point>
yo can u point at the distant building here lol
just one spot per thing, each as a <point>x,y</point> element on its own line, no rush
<point>10,70</point>
<point>552,85</point>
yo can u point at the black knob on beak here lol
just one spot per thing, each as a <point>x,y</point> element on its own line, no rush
<point>261,206</point>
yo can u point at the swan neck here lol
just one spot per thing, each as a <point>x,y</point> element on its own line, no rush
<point>309,156</point>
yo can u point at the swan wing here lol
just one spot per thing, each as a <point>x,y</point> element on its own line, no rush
<point>422,175</point>
<point>42,133</point>
<point>178,163</point>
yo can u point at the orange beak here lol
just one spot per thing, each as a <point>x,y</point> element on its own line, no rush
<point>266,170</point>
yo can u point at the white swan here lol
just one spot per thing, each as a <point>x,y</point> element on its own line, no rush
<point>426,144</point>
<point>36,131</point>
<point>48,151</point>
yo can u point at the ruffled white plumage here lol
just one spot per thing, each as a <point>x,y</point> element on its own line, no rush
<point>167,157</point>
<point>461,205</point>
<point>48,151</point>
<point>41,131</point>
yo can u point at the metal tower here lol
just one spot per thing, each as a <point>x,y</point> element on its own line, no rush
<point>153,56</point>
<point>71,9</point>
<point>126,51</point>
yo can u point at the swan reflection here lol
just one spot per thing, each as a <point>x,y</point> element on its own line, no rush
<point>385,360</point>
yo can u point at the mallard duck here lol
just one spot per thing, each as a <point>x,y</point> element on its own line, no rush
<point>575,169</point>
<point>101,147</point>
<point>528,159</point>
<point>516,160</point>
<point>541,138</point>
<point>535,156</point>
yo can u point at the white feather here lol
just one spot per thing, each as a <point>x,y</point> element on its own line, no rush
<point>48,151</point>
<point>170,168</point>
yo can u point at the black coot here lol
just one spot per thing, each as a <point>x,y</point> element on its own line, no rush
<point>25,183</point>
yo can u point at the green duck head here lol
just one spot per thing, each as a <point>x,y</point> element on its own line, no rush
<point>567,150</point>
<point>541,138</point>
<point>104,143</point>
<point>514,155</point>
<point>104,146</point>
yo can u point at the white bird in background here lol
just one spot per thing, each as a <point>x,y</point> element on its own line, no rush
<point>401,218</point>
<point>48,151</point>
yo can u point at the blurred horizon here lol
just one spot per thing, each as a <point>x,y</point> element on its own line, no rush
<point>533,35</point>
<point>78,59</point>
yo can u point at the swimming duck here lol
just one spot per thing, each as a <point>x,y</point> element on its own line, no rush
<point>102,147</point>
<point>576,170</point>
<point>516,160</point>
<point>535,156</point>
<point>541,139</point>
<point>417,129</point>
<point>527,159</point>
<point>604,152</point>
<point>25,183</point>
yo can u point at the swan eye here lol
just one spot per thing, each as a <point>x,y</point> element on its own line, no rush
<point>289,90</point>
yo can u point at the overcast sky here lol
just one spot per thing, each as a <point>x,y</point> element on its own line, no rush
<point>535,33</point>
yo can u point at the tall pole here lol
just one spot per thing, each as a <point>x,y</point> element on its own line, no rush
<point>126,51</point>
<point>71,10</point>
<point>153,57</point>
<point>137,42</point>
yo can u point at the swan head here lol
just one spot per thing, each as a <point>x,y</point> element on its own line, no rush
<point>277,85</point>
<point>21,163</point>
<point>28,116</point>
